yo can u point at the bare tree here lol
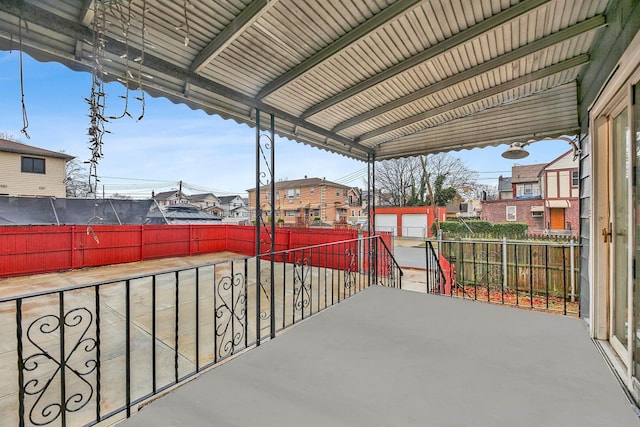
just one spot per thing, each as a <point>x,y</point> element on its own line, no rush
<point>9,136</point>
<point>396,179</point>
<point>77,179</point>
<point>411,181</point>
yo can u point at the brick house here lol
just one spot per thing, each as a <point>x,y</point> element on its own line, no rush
<point>31,171</point>
<point>301,201</point>
<point>545,196</point>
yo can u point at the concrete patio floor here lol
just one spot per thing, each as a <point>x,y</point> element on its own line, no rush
<point>389,357</point>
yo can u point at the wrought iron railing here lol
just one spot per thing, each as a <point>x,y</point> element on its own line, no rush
<point>529,274</point>
<point>84,354</point>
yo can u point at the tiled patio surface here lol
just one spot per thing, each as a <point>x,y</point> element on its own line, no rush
<point>389,357</point>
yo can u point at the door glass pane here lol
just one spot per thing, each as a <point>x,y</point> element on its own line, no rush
<point>620,211</point>
<point>636,202</point>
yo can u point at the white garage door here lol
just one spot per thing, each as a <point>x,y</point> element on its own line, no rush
<point>414,225</point>
<point>387,223</point>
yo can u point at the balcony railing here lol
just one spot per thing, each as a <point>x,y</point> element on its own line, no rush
<point>535,275</point>
<point>84,354</point>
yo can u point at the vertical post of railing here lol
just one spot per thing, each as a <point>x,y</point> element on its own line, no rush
<point>272,293</point>
<point>572,267</point>
<point>197,319</point>
<point>63,362</point>
<point>20,362</point>
<point>127,317</point>
<point>154,381</point>
<point>215,317</point>
<point>564,279</point>
<point>546,274</point>
<point>530,275</point>
<point>284,288</point>
<point>246,303</point>
<point>504,267</point>
<point>439,245</point>
<point>258,219</point>
<point>475,272</point>
<point>462,267</point>
<point>517,274</point>
<point>369,224</point>
<point>176,330</point>
<point>98,367</point>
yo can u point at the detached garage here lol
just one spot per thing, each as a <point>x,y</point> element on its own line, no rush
<point>414,221</point>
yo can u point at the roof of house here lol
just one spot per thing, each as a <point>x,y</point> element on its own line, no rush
<point>165,195</point>
<point>200,197</point>
<point>227,199</point>
<point>20,148</point>
<point>302,183</point>
<point>526,173</point>
<point>504,183</point>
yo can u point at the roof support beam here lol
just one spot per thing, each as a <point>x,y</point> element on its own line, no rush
<point>244,20</point>
<point>540,44</point>
<point>41,17</point>
<point>86,16</point>
<point>447,44</point>
<point>386,15</point>
<point>529,78</point>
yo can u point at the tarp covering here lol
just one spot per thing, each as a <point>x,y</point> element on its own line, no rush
<point>44,210</point>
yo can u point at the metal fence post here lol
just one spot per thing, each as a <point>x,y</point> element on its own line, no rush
<point>572,267</point>
<point>504,264</point>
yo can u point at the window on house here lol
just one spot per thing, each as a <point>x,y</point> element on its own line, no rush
<point>311,190</point>
<point>575,178</point>
<point>511,213</point>
<point>32,165</point>
<point>297,193</point>
<point>353,212</point>
<point>316,212</point>
<point>290,194</point>
<point>344,193</point>
<point>337,191</point>
<point>290,213</point>
<point>277,194</point>
<point>537,214</point>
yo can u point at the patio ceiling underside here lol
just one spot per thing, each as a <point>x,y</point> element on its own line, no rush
<point>359,78</point>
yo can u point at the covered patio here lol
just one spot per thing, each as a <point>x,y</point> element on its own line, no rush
<point>389,357</point>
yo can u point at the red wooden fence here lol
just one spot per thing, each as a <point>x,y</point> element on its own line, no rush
<point>28,250</point>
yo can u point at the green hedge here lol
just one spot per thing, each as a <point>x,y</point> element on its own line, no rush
<point>484,228</point>
<point>510,229</point>
<point>457,227</point>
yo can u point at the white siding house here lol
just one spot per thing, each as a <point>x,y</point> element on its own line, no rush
<point>31,171</point>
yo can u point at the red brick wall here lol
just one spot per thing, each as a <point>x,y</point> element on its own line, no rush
<point>496,211</point>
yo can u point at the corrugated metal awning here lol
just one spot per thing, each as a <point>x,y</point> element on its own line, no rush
<point>537,208</point>
<point>360,78</point>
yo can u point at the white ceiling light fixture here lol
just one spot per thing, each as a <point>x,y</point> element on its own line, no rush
<point>516,150</point>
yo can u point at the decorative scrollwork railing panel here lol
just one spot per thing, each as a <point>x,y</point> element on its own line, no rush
<point>58,365</point>
<point>230,312</point>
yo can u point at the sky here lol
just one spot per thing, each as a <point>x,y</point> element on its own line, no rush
<point>174,143</point>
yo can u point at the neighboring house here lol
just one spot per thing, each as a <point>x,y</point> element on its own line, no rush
<point>168,198</point>
<point>505,188</point>
<point>545,197</point>
<point>302,201</point>
<point>181,213</point>
<point>31,171</point>
<point>207,202</point>
<point>234,207</point>
<point>357,206</point>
